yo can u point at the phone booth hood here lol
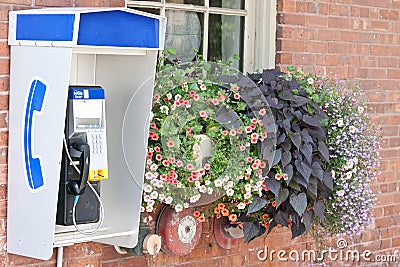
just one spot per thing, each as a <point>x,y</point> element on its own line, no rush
<point>52,49</point>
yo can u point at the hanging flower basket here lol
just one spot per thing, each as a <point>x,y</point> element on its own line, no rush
<point>206,104</point>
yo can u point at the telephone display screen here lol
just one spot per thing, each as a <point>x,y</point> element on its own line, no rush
<point>88,114</point>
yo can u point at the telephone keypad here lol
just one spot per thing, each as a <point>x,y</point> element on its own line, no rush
<point>97,144</point>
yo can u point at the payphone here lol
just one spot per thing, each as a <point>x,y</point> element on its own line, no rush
<point>84,159</point>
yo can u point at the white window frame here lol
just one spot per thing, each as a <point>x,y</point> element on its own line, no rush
<point>259,27</point>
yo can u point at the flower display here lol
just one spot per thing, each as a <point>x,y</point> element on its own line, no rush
<point>272,149</point>
<point>355,162</point>
<point>191,106</point>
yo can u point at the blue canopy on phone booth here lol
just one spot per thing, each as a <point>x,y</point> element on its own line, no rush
<point>88,27</point>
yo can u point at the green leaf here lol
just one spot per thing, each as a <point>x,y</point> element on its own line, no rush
<point>283,195</point>
<point>299,202</point>
<point>257,204</point>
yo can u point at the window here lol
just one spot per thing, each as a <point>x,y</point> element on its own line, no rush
<point>219,29</point>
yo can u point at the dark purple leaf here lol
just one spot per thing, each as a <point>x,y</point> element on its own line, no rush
<point>286,158</point>
<point>319,208</point>
<point>282,196</point>
<point>311,120</point>
<point>328,180</point>
<point>316,170</point>
<point>252,230</point>
<point>306,150</point>
<point>299,202</point>
<point>289,171</point>
<point>273,185</point>
<point>303,168</point>
<point>257,204</point>
<point>277,158</point>
<point>307,219</point>
<point>323,149</point>
<point>296,139</point>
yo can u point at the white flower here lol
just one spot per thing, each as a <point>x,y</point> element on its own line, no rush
<point>230,192</point>
<point>161,197</point>
<point>310,80</point>
<point>178,207</point>
<point>154,195</point>
<point>333,173</point>
<point>146,198</point>
<point>210,190</point>
<point>147,188</point>
<point>142,209</point>
<point>148,175</point>
<point>247,195</point>
<point>151,203</point>
<point>340,193</point>
<point>348,175</point>
<point>169,96</point>
<point>207,182</point>
<point>168,200</point>
<point>340,123</point>
<point>218,183</point>
<point>202,189</point>
<point>186,205</point>
<point>247,187</point>
<point>149,208</point>
<point>230,184</point>
<point>164,109</point>
<point>178,97</point>
<point>197,183</point>
<point>153,167</point>
<point>151,116</point>
<point>360,109</point>
<point>241,206</point>
<point>352,129</point>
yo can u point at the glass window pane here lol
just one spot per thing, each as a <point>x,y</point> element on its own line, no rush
<point>184,33</point>
<point>225,38</point>
<point>148,10</point>
<point>191,2</point>
<point>234,4</point>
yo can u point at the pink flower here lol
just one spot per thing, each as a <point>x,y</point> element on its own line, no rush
<point>202,172</point>
<point>156,96</point>
<point>236,96</point>
<point>157,149</point>
<point>278,176</point>
<point>207,166</point>
<point>158,157</point>
<point>254,141</point>
<point>254,135</point>
<point>165,162</point>
<point>232,132</point>
<point>163,177</point>
<point>264,135</point>
<point>242,148</point>
<point>149,154</point>
<point>192,93</point>
<point>263,165</point>
<point>235,88</point>
<point>285,176</point>
<point>248,129</point>
<point>203,114</point>
<point>179,163</point>
<point>188,129</point>
<point>254,166</point>
<point>189,166</point>
<point>253,120</point>
<point>225,132</point>
<point>253,126</point>
<point>239,131</point>
<point>172,160</point>
<point>249,159</point>
<point>170,143</point>
<point>215,102</point>
<point>262,112</point>
<point>196,97</point>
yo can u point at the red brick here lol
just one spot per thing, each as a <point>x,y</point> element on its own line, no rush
<point>323,8</point>
<point>58,3</point>
<point>304,34</point>
<point>393,73</point>
<point>317,21</point>
<point>339,23</point>
<point>377,25</point>
<point>291,19</point>
<point>338,48</point>
<point>379,50</point>
<point>328,35</point>
<point>286,6</point>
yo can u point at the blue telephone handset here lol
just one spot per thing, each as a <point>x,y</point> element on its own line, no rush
<point>34,104</point>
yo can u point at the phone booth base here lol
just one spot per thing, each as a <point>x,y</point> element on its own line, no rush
<point>52,49</point>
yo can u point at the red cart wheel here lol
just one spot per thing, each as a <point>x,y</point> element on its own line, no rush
<point>226,238</point>
<point>180,231</point>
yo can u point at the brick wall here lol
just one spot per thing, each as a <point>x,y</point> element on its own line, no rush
<point>355,39</point>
